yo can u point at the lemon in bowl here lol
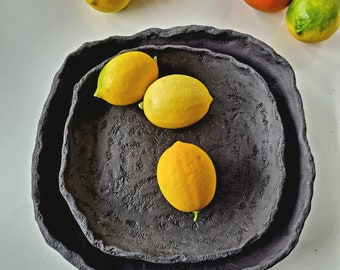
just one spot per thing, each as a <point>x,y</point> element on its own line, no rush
<point>186,177</point>
<point>176,101</point>
<point>126,77</point>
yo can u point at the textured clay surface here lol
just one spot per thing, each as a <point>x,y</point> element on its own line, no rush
<point>52,213</point>
<point>110,157</point>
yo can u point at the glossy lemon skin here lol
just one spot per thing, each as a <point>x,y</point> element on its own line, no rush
<point>176,101</point>
<point>108,5</point>
<point>186,177</point>
<point>126,77</point>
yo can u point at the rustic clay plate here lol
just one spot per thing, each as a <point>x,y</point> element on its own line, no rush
<point>56,222</point>
<point>110,154</point>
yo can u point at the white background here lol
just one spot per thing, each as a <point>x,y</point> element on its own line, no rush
<point>37,35</point>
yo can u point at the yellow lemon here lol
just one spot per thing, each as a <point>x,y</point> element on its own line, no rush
<point>313,20</point>
<point>176,101</point>
<point>125,78</point>
<point>108,5</point>
<point>186,177</point>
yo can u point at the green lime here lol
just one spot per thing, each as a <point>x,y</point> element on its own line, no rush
<point>313,20</point>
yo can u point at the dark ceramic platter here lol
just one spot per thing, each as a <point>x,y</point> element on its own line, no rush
<point>57,224</point>
<point>110,154</point>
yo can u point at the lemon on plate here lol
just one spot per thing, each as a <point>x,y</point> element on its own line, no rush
<point>108,5</point>
<point>176,101</point>
<point>186,177</point>
<point>125,78</point>
<point>313,20</point>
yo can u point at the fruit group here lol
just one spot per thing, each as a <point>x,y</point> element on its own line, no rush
<point>125,78</point>
<point>176,101</point>
<point>186,177</point>
<point>313,20</point>
<point>108,5</point>
<point>268,5</point>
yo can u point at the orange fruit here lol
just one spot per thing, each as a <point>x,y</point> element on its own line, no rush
<point>268,5</point>
<point>186,177</point>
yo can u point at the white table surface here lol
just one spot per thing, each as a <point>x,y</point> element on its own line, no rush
<point>37,35</point>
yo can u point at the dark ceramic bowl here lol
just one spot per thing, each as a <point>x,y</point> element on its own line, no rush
<point>110,155</point>
<point>52,213</point>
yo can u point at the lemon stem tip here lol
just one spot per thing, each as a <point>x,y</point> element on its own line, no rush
<point>196,213</point>
<point>141,105</point>
<point>95,94</point>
